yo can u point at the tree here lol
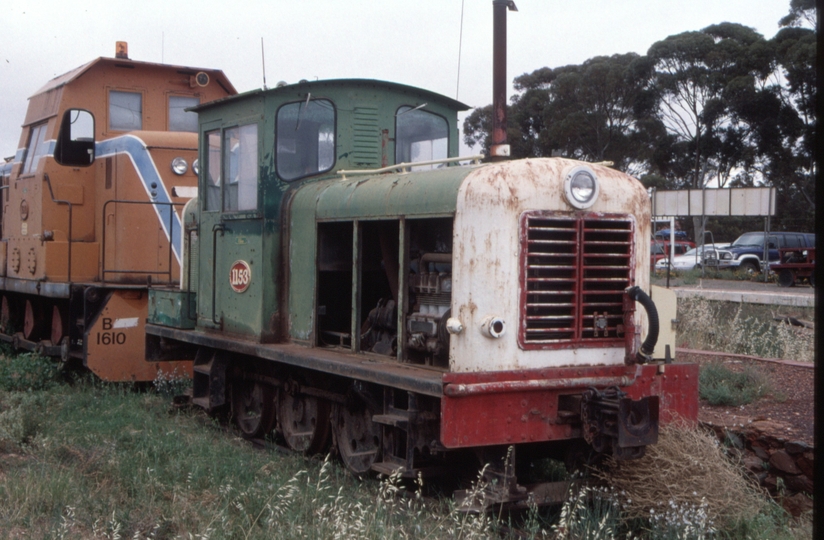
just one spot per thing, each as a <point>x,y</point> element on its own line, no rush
<point>801,12</point>
<point>596,111</point>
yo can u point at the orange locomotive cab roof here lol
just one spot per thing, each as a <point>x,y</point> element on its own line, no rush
<point>72,75</point>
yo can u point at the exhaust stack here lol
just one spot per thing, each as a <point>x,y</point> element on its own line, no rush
<point>499,150</point>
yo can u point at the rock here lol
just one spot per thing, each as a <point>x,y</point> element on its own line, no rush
<point>767,426</point>
<point>806,465</point>
<point>733,440</point>
<point>782,461</point>
<point>796,447</point>
<point>799,484</point>
<point>760,452</point>
<point>753,463</point>
<point>797,504</point>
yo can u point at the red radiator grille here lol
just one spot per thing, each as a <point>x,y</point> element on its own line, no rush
<point>573,275</point>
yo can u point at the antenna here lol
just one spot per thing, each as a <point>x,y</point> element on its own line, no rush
<point>162,47</point>
<point>263,62</point>
<point>460,45</point>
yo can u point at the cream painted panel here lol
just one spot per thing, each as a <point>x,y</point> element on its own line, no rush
<point>486,257</point>
<point>666,303</point>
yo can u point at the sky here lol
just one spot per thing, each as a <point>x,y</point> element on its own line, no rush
<point>415,42</point>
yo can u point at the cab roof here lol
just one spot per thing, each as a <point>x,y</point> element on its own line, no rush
<point>309,86</point>
<point>72,75</point>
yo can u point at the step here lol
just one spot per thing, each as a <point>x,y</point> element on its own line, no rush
<point>202,402</point>
<point>205,369</point>
<point>396,420</point>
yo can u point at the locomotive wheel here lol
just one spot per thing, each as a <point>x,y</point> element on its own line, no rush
<point>357,437</point>
<point>253,407</point>
<point>34,321</point>
<point>786,278</point>
<point>304,422</point>
<point>58,326</point>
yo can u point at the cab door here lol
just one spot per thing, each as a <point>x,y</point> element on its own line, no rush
<point>230,288</point>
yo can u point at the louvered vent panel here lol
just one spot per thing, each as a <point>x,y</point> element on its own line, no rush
<point>366,140</point>
<point>605,263</point>
<point>575,272</point>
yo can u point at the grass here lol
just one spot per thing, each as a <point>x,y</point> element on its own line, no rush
<point>741,328</point>
<point>719,385</point>
<point>89,460</point>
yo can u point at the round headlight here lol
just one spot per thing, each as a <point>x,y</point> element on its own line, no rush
<point>196,166</point>
<point>581,187</point>
<point>179,166</point>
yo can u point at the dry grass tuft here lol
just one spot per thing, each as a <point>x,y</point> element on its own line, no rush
<point>685,477</point>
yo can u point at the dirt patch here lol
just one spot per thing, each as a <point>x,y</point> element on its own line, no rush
<point>785,412</point>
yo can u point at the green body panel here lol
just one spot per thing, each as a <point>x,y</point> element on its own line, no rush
<point>424,194</point>
<point>364,138</point>
<point>172,307</point>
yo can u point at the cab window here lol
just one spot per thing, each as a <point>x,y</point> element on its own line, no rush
<point>212,170</point>
<point>240,168</point>
<point>179,118</point>
<point>125,110</point>
<point>305,138</point>
<point>36,147</point>
<point>420,136</point>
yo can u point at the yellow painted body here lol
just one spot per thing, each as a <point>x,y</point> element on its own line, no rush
<point>67,229</point>
<point>115,349</point>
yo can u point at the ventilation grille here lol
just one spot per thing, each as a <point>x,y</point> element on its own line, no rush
<point>366,140</point>
<point>574,275</point>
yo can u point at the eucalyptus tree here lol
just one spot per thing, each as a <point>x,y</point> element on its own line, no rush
<point>596,111</point>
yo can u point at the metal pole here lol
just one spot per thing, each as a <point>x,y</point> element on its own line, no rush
<point>499,149</point>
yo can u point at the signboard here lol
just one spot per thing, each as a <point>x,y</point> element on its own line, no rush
<point>715,202</point>
<point>240,276</point>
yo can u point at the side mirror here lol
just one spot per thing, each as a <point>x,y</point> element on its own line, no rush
<point>75,140</point>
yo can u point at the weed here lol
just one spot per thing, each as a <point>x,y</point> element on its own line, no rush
<point>721,386</point>
<point>28,371</point>
<point>740,329</point>
<point>171,384</point>
<point>20,418</point>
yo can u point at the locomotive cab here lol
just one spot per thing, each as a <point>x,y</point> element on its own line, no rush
<point>90,215</point>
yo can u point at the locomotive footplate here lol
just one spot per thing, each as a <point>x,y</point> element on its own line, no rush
<point>614,422</point>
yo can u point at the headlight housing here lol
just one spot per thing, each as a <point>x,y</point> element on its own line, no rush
<point>179,166</point>
<point>581,187</point>
<point>196,166</point>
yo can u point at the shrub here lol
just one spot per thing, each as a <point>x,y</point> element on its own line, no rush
<point>28,371</point>
<point>721,386</point>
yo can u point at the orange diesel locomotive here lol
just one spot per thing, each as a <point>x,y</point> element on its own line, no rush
<point>91,206</point>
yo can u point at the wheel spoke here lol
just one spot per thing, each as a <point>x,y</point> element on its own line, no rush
<point>304,422</point>
<point>358,438</point>
<point>253,407</point>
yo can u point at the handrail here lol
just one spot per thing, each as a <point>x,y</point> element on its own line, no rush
<point>406,167</point>
<point>172,214</point>
<point>60,201</point>
<point>221,228</point>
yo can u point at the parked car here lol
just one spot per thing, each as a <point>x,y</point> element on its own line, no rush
<point>746,252</point>
<point>660,249</point>
<point>664,234</point>
<point>691,259</point>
